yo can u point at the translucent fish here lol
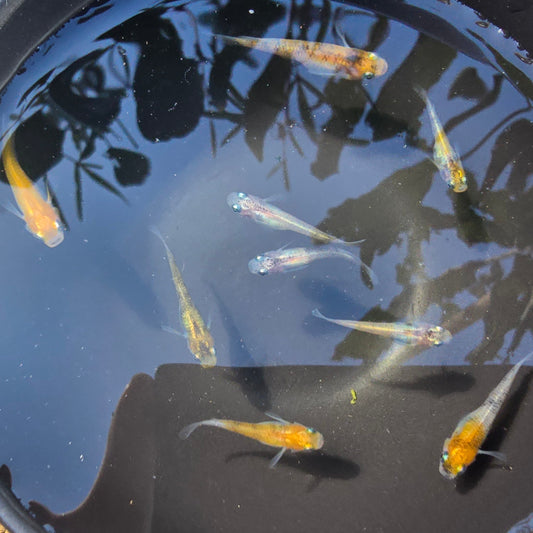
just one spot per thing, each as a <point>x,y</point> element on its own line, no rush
<point>41,217</point>
<point>286,260</point>
<point>461,449</point>
<point>262,212</point>
<point>423,334</point>
<point>199,339</point>
<point>444,156</point>
<point>278,434</point>
<point>342,61</point>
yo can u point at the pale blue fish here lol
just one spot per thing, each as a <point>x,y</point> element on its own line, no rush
<point>262,212</point>
<point>285,260</point>
<point>423,334</point>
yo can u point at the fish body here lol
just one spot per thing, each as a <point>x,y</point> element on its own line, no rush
<point>41,217</point>
<point>277,433</point>
<point>199,339</point>
<point>286,260</point>
<point>423,334</point>
<point>461,449</point>
<point>13,515</point>
<point>343,61</point>
<point>444,156</point>
<point>269,215</point>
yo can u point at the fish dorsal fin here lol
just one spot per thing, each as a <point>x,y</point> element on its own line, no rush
<point>276,417</point>
<point>5,476</point>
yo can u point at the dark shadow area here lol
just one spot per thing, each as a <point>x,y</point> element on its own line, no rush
<point>244,369</point>
<point>122,496</point>
<point>438,383</point>
<point>319,465</point>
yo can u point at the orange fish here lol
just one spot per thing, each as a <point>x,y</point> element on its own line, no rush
<point>279,434</point>
<point>41,217</point>
<point>346,62</point>
<point>461,449</point>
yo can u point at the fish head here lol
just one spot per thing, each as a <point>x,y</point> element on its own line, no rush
<point>240,202</point>
<point>206,354</point>
<point>457,177</point>
<point>314,440</point>
<point>436,335</point>
<point>47,227</point>
<point>368,65</point>
<point>452,460</point>
<point>261,265</point>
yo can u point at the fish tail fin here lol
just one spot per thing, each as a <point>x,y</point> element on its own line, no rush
<point>187,430</point>
<point>157,233</point>
<point>318,314</point>
<point>421,92</point>
<point>243,41</point>
<point>523,360</point>
<point>370,273</point>
<point>349,243</point>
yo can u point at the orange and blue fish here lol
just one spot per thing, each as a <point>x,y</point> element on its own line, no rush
<point>462,448</point>
<point>445,157</point>
<point>199,339</point>
<point>287,260</point>
<point>41,217</point>
<point>278,434</point>
<point>343,61</point>
<point>269,215</point>
<point>423,334</point>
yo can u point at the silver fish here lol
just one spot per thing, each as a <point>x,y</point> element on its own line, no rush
<point>285,260</point>
<point>264,213</point>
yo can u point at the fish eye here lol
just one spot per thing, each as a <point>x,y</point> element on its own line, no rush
<point>368,75</point>
<point>237,208</point>
<point>262,271</point>
<point>259,258</point>
<point>242,195</point>
<point>311,430</point>
<point>445,456</point>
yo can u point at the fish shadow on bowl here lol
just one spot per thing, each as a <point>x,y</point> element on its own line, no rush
<point>317,464</point>
<point>503,422</point>
<point>439,384</point>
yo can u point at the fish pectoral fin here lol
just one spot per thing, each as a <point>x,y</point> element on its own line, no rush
<point>276,458</point>
<point>168,329</point>
<point>433,161</point>
<point>276,417</point>
<point>497,455</point>
<point>321,71</point>
<point>8,206</point>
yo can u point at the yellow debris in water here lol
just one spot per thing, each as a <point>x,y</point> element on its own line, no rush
<point>354,396</point>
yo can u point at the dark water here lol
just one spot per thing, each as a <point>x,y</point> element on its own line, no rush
<point>136,116</point>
